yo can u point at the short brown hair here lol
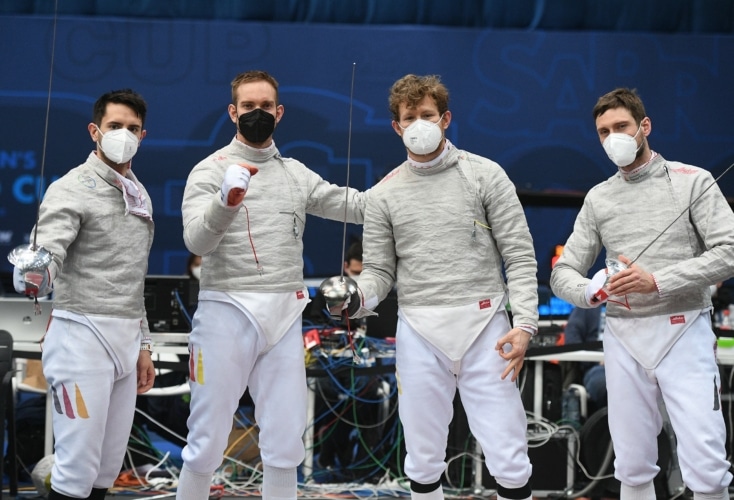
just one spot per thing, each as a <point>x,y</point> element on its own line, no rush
<point>621,98</point>
<point>411,89</point>
<point>127,97</point>
<point>253,76</point>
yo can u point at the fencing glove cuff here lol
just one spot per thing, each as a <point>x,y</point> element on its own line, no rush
<point>595,292</point>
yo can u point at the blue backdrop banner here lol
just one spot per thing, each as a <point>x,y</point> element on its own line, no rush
<point>521,98</point>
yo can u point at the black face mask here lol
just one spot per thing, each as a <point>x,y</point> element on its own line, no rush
<point>256,125</point>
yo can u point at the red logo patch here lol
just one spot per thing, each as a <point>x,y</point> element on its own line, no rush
<point>299,294</point>
<point>678,319</point>
<point>484,304</point>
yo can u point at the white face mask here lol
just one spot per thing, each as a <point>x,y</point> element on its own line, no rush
<point>422,136</point>
<point>622,148</point>
<point>119,145</point>
<point>196,272</point>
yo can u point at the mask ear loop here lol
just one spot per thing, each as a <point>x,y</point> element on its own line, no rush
<point>642,142</point>
<point>639,129</point>
<point>99,138</point>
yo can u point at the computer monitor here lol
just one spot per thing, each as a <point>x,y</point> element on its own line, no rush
<point>551,307</point>
<point>169,302</point>
<point>18,317</point>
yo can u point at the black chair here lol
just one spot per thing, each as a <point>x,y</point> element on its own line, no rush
<point>7,411</point>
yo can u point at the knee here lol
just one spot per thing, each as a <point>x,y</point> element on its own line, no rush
<point>282,453</point>
<point>203,454</point>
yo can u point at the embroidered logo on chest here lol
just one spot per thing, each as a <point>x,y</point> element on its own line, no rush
<point>485,304</point>
<point>87,181</point>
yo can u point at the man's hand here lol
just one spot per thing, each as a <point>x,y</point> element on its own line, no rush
<point>350,306</point>
<point>634,279</point>
<point>596,293</point>
<point>146,372</point>
<point>235,183</point>
<point>32,283</point>
<point>517,339</point>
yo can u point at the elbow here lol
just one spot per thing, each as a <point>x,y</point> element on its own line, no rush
<point>197,244</point>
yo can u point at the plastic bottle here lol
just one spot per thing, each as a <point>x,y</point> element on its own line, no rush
<point>570,410</point>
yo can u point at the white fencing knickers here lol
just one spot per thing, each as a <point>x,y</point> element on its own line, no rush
<point>427,384</point>
<point>227,356</point>
<point>688,380</point>
<point>94,406</point>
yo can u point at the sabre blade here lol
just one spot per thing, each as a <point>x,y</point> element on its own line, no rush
<point>681,214</point>
<point>34,257</point>
<point>48,113</point>
<point>349,157</point>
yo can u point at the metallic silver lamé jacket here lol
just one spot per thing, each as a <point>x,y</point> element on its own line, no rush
<point>624,216</point>
<point>269,226</point>
<point>449,235</point>
<point>100,254</point>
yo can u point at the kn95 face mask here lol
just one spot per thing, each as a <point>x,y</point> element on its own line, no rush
<point>622,148</point>
<point>119,145</point>
<point>256,125</point>
<point>422,136</point>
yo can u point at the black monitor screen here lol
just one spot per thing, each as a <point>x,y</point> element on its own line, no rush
<point>169,302</point>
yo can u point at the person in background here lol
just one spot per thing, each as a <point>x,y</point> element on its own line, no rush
<point>247,330</point>
<point>353,259</point>
<point>447,228</point>
<point>583,326</point>
<point>193,266</point>
<point>193,271</point>
<point>658,340</point>
<point>97,221</point>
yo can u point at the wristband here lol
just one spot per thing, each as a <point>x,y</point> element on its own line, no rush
<point>146,344</point>
<point>529,329</point>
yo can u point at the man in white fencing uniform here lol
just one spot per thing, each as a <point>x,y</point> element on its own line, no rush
<point>247,326</point>
<point>444,226</point>
<point>671,232</point>
<point>97,223</point>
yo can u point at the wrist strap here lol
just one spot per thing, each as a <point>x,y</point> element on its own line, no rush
<point>146,344</point>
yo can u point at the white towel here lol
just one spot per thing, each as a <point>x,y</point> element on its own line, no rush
<point>134,199</point>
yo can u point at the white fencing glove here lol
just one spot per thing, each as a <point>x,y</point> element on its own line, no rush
<point>595,292</point>
<point>235,183</point>
<point>32,283</point>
